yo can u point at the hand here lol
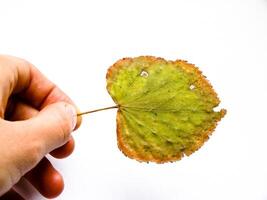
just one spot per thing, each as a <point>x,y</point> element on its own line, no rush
<point>36,118</point>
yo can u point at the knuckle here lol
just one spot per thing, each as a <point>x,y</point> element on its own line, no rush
<point>11,61</point>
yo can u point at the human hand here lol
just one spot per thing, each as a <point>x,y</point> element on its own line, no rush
<point>36,118</point>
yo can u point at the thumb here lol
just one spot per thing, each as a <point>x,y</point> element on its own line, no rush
<point>25,143</point>
<point>53,125</point>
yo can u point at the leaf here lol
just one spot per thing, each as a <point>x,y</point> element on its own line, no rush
<point>166,108</point>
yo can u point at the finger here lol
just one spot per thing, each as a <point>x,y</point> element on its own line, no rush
<point>30,140</point>
<point>50,128</point>
<point>10,81</point>
<point>46,179</point>
<point>65,150</point>
<point>21,111</point>
<point>18,111</point>
<point>22,79</point>
<point>10,195</point>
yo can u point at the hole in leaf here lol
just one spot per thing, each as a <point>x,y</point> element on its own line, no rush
<point>217,109</point>
<point>191,87</point>
<point>144,73</point>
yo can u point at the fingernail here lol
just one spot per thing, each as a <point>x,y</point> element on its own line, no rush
<point>72,112</point>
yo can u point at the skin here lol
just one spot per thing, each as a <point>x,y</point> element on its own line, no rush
<point>36,118</point>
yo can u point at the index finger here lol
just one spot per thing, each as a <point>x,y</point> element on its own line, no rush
<point>25,81</point>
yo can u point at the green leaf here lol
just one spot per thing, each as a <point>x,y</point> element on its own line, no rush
<point>166,108</point>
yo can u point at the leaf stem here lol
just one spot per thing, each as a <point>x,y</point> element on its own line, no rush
<point>96,110</point>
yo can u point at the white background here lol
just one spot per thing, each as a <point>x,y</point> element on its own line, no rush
<point>74,43</point>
